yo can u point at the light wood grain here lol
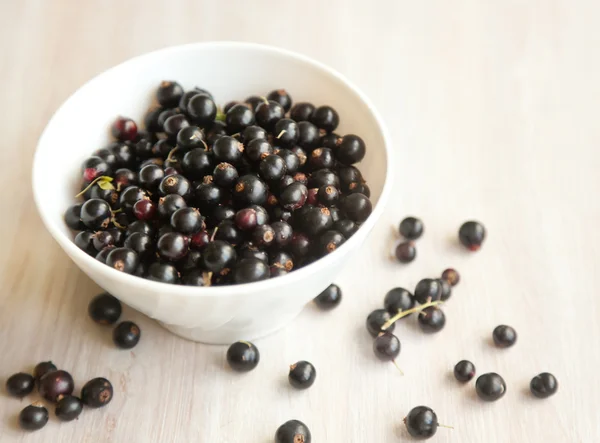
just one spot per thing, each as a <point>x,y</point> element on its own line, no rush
<point>493,107</point>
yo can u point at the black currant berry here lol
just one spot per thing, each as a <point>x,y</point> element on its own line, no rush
<point>190,137</point>
<point>129,197</point>
<point>490,387</point>
<point>504,336</point>
<point>68,407</point>
<point>302,111</point>
<point>321,158</point>
<point>126,335</point>
<point>315,220</point>
<point>228,149</point>
<point>451,276</point>
<point>421,422</point>
<point>195,277</point>
<point>376,320</point>
<point>308,135</point>
<point>428,290</point>
<point>123,259</point>
<point>20,384</point>
<point>359,188</point>
<point>446,289</point>
<point>386,346</point>
<point>97,392</point>
<point>282,97</point>
<point>252,133</point>
<point>292,162</point>
<point>174,124</point>
<point>268,113</point>
<point>42,369</point>
<point>95,214</point>
<point>238,118</point>
<point>163,272</point>
<point>263,235</point>
<point>293,196</point>
<point>432,319</point>
<point>228,232</point>
<point>346,227</point>
<point>405,251</point>
<point>351,150</point>
<point>328,242</point>
<point>172,246</point>
<point>250,190</point>
<point>302,375</point>
<point>286,132</point>
<point>188,221</point>
<point>243,356</point>
<point>174,184</point>
<point>411,228</point>
<point>325,117</point>
<point>73,218</point>
<point>249,270</point>
<point>471,235</point>
<point>33,417</point>
<point>197,163</point>
<point>328,195</point>
<point>272,168</point>
<point>169,93</point>
<point>105,309</point>
<point>218,255</point>
<point>94,167</point>
<point>357,207</point>
<point>323,177</point>
<point>225,175</point>
<point>169,204</point>
<point>55,383</point>
<point>543,385</point>
<point>329,298</point>
<point>202,109</point>
<point>398,300</point>
<point>293,431</point>
<point>102,239</point>
<point>464,371</point>
<point>84,241</point>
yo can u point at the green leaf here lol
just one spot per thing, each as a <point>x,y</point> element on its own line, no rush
<point>106,185</point>
<point>220,117</point>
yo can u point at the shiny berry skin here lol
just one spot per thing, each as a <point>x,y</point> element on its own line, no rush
<point>151,119</point>
<point>328,242</point>
<point>42,369</point>
<point>187,96</point>
<point>376,320</point>
<point>246,219</point>
<point>20,384</point>
<point>308,135</point>
<point>107,154</point>
<point>144,210</point>
<point>315,220</point>
<point>141,243</point>
<point>172,246</point>
<point>54,384</point>
<point>302,375</point>
<point>263,235</point>
<point>282,97</point>
<point>33,417</point>
<point>117,233</point>
<point>282,259</point>
<point>68,407</point>
<point>286,131</point>
<point>357,207</point>
<point>292,162</point>
<point>490,387</point>
<point>187,221</point>
<point>238,118</point>
<point>129,197</point>
<point>161,150</point>
<point>411,228</point>
<point>257,149</point>
<point>218,255</point>
<point>471,234</point>
<point>543,385</point>
<point>243,356</point>
<point>202,109</point>
<point>428,290</point>
<point>207,195</point>
<point>174,184</point>
<point>123,178</point>
<point>150,177</point>
<point>405,251</point>
<point>94,167</point>
<point>163,272</point>
<point>386,346</point>
<point>126,335</point>
<point>329,298</point>
<point>445,288</point>
<point>253,101</point>
<point>283,234</point>
<point>102,239</point>
<point>328,195</point>
<point>250,190</point>
<point>253,132</point>
<point>123,153</point>
<point>398,300</point>
<point>139,226</point>
<point>73,218</point>
<point>190,261</point>
<point>432,319</point>
<point>249,270</point>
<point>105,309</point>
<point>346,227</point>
<point>123,259</point>
<point>124,129</point>
<point>302,111</point>
<point>300,246</point>
<point>268,114</point>
<point>325,117</point>
<point>168,204</point>
<point>293,196</point>
<point>169,93</point>
<point>293,431</point>
<point>95,214</point>
<point>272,168</point>
<point>360,188</point>
<point>143,148</point>
<point>347,176</point>
<point>228,232</point>
<point>302,158</point>
<point>225,175</point>
<point>421,422</point>
<point>84,241</point>
<point>464,371</point>
<point>329,140</point>
<point>190,137</point>
<point>350,150</point>
<point>504,336</point>
<point>451,276</point>
<point>321,158</point>
<point>197,163</point>
<point>97,392</point>
<point>228,149</point>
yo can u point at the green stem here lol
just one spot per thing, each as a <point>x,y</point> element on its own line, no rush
<point>402,314</point>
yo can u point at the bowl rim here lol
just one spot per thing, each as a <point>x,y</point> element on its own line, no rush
<point>198,291</point>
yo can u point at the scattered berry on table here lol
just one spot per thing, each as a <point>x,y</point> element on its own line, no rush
<point>504,336</point>
<point>543,385</point>
<point>293,431</point>
<point>105,309</point>
<point>386,346</point>
<point>243,356</point>
<point>432,319</point>
<point>33,417</point>
<point>451,276</point>
<point>20,384</point>
<point>68,407</point>
<point>464,371</point>
<point>405,251</point>
<point>302,375</point>
<point>329,298</point>
<point>42,369</point>
<point>411,228</point>
<point>471,234</point>
<point>421,422</point>
<point>398,300</point>
<point>56,383</point>
<point>126,335</point>
<point>376,320</point>
<point>446,289</point>
<point>428,290</point>
<point>97,392</point>
<point>490,386</point>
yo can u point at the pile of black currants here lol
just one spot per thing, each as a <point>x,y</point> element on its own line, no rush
<point>203,197</point>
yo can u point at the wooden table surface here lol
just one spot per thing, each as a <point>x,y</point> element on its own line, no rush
<point>493,108</point>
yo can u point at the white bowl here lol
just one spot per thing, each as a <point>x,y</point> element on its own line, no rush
<point>231,71</point>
